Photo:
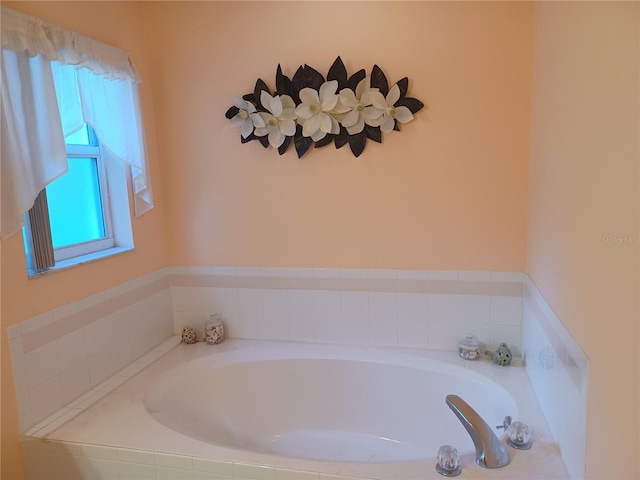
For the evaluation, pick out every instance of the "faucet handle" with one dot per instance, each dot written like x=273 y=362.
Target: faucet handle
x=505 y=423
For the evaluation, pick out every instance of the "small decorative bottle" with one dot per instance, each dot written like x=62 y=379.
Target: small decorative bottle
x=214 y=330
x=469 y=347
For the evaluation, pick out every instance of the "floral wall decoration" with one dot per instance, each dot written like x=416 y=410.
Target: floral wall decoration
x=311 y=110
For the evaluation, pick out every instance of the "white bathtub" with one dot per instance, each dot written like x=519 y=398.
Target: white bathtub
x=334 y=410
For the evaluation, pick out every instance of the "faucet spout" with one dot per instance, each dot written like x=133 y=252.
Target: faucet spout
x=490 y=453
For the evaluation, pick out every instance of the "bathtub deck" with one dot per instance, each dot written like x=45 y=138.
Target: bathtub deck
x=118 y=429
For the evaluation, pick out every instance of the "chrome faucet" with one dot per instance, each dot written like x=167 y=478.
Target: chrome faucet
x=490 y=453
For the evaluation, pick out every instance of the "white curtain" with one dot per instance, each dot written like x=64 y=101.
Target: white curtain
x=33 y=150
x=104 y=95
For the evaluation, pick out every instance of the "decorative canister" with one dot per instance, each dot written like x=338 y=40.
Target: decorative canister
x=214 y=330
x=469 y=347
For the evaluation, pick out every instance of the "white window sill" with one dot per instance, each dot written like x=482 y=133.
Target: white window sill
x=82 y=259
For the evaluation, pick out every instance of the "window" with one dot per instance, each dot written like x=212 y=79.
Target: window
x=73 y=154
x=79 y=207
x=79 y=213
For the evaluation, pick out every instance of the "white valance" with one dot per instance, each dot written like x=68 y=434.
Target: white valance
x=24 y=33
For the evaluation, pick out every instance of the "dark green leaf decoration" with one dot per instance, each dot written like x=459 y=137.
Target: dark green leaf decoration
x=379 y=80
x=283 y=83
x=357 y=142
x=338 y=72
x=245 y=114
x=232 y=112
x=412 y=104
x=403 y=85
x=354 y=79
x=325 y=141
x=342 y=138
x=373 y=133
x=260 y=86
x=301 y=142
x=283 y=148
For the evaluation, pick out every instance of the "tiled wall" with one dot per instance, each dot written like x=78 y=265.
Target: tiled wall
x=395 y=308
x=63 y=354
x=558 y=371
x=70 y=461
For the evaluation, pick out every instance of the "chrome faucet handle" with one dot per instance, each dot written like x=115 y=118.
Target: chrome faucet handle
x=505 y=423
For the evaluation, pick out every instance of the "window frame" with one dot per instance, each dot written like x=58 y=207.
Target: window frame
x=83 y=248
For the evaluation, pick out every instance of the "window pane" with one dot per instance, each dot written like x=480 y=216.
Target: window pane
x=81 y=137
x=75 y=204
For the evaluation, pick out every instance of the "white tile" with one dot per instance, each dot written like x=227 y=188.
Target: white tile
x=168 y=473
x=326 y=304
x=383 y=306
x=412 y=306
x=111 y=383
x=443 y=336
x=131 y=369
x=303 y=328
x=273 y=272
x=135 y=456
x=442 y=308
x=248 y=271
x=223 y=271
x=36 y=322
x=354 y=273
x=121 y=353
x=254 y=472
x=99 y=366
x=96 y=468
x=285 y=474
x=475 y=309
x=181 y=298
x=275 y=301
x=249 y=300
x=42 y=364
x=328 y=329
x=45 y=399
x=248 y=325
x=98 y=333
x=412 y=332
x=200 y=270
x=71 y=349
x=225 y=300
x=131 y=471
x=22 y=396
x=442 y=275
x=354 y=305
x=482 y=331
x=17 y=357
x=173 y=461
x=380 y=273
x=203 y=299
x=383 y=332
x=412 y=274
x=168 y=344
x=517 y=277
x=355 y=331
x=506 y=311
x=300 y=302
x=276 y=327
x=66 y=310
x=213 y=466
x=326 y=273
x=150 y=357
x=74 y=382
x=511 y=335
x=474 y=276
x=37 y=464
x=14 y=331
x=300 y=272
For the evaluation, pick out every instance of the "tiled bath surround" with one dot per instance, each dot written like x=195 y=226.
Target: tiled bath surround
x=558 y=371
x=392 y=308
x=68 y=353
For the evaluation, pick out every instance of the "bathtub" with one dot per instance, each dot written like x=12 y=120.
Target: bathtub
x=319 y=410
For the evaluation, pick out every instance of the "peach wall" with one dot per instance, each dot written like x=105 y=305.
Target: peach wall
x=583 y=187
x=115 y=23
x=448 y=192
